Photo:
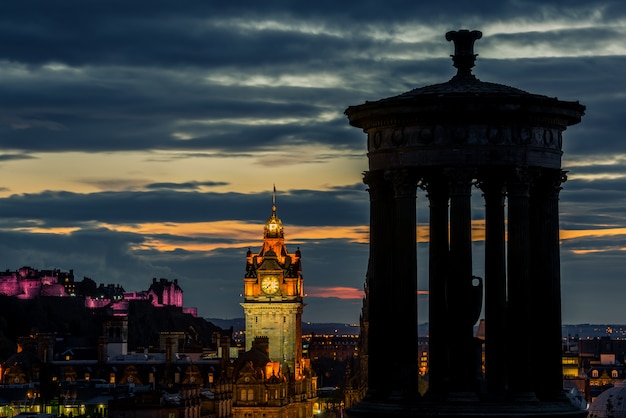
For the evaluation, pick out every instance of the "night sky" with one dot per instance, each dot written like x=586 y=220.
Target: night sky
x=142 y=139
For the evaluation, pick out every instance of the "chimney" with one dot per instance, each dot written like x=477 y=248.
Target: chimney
x=225 y=345
x=262 y=344
x=102 y=351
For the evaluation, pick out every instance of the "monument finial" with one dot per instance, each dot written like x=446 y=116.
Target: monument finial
x=464 y=56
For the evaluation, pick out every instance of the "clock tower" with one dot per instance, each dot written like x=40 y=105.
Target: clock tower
x=273 y=297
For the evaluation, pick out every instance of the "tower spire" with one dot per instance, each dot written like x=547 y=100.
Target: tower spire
x=274 y=199
x=273 y=226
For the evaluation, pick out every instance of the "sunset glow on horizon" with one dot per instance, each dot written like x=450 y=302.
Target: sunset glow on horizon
x=335 y=292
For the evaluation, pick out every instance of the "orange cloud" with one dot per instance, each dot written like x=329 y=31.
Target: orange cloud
x=40 y=230
x=580 y=252
x=244 y=234
x=580 y=233
x=334 y=292
x=342 y=292
x=238 y=234
x=223 y=234
x=478 y=231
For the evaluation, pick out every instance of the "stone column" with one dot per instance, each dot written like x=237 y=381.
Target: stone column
x=495 y=284
x=459 y=286
x=519 y=291
x=382 y=211
x=546 y=280
x=402 y=304
x=438 y=255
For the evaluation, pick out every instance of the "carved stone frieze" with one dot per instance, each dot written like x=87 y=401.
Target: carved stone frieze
x=459 y=135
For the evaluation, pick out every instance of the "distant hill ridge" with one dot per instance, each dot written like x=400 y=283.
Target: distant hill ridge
x=615 y=331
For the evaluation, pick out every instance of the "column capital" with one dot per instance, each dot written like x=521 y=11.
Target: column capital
x=435 y=184
x=371 y=178
x=378 y=185
x=549 y=183
x=519 y=181
x=460 y=180
x=494 y=184
x=404 y=182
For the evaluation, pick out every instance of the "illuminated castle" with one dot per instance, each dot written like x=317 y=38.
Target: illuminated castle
x=28 y=283
x=162 y=292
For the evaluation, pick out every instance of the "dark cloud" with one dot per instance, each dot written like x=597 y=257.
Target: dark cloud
x=14 y=157
x=192 y=185
x=593 y=287
x=139 y=73
x=211 y=79
x=342 y=206
x=102 y=254
x=111 y=257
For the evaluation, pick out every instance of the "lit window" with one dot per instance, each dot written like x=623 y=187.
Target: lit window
x=594 y=373
x=614 y=374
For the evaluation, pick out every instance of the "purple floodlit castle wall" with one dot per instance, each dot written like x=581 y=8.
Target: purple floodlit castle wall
x=29 y=283
x=161 y=293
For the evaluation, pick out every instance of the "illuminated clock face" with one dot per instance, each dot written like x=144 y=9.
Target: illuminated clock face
x=269 y=285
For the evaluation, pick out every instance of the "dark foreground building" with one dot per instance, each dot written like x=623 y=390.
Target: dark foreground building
x=446 y=139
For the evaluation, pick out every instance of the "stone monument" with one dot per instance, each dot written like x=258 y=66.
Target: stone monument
x=449 y=139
